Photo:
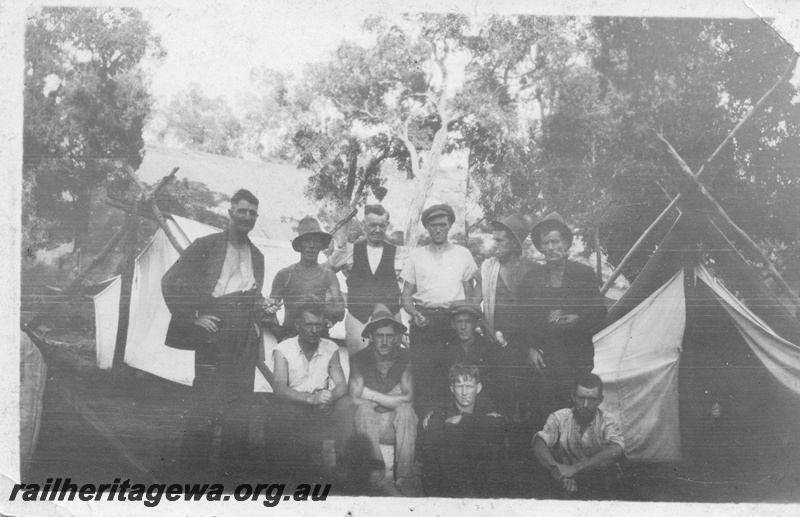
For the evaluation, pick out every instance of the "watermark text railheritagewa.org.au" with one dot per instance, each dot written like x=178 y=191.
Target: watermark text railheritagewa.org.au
x=63 y=489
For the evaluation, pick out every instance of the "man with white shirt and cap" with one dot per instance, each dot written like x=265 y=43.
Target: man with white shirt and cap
x=434 y=277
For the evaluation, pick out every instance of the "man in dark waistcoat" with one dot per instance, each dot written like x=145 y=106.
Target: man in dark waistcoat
x=214 y=294
x=372 y=265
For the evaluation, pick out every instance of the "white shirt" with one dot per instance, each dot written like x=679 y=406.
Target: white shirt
x=237 y=272
x=307 y=376
x=374 y=254
x=562 y=432
x=438 y=273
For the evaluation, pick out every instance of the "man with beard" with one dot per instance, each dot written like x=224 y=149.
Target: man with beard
x=580 y=446
x=372 y=265
x=214 y=294
x=305 y=281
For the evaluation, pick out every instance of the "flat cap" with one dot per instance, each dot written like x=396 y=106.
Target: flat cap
x=436 y=210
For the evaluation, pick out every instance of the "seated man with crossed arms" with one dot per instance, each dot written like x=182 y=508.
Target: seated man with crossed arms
x=381 y=385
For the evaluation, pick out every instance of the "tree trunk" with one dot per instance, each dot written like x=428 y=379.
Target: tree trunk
x=426 y=177
x=599 y=258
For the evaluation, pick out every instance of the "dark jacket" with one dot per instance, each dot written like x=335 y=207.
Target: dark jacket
x=567 y=346
x=188 y=285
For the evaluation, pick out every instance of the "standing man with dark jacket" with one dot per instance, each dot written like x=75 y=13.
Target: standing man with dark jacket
x=214 y=294
x=373 y=265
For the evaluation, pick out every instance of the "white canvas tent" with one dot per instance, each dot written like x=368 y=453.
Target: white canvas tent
x=106 y=316
x=149 y=315
x=747 y=365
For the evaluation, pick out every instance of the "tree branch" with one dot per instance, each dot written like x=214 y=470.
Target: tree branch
x=752 y=110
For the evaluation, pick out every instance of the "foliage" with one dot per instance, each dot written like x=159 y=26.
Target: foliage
x=192 y=199
x=86 y=102
x=202 y=123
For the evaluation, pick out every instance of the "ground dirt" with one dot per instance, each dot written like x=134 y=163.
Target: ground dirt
x=126 y=424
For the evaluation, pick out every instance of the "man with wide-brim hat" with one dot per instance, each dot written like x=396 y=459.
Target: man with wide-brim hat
x=434 y=277
x=567 y=306
x=381 y=384
x=306 y=281
x=505 y=280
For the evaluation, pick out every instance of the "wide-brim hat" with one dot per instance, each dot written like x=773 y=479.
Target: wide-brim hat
x=550 y=222
x=516 y=224
x=465 y=307
x=436 y=210
x=309 y=227
x=381 y=316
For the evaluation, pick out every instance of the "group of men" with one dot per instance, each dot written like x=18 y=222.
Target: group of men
x=447 y=397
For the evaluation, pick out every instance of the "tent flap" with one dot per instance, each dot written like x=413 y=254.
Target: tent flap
x=781 y=358
x=638 y=357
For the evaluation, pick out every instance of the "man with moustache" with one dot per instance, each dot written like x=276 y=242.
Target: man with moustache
x=372 y=265
x=434 y=277
x=214 y=294
x=580 y=446
x=306 y=280
x=567 y=305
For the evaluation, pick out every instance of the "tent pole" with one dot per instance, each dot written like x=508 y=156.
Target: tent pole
x=752 y=110
x=126 y=270
x=637 y=244
x=721 y=212
x=75 y=284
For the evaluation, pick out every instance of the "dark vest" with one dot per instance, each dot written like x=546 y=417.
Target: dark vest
x=365 y=362
x=365 y=289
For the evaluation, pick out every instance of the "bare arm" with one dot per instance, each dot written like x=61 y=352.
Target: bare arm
x=337 y=301
x=607 y=456
x=262 y=366
x=336 y=374
x=403 y=393
x=281 y=384
x=408 y=304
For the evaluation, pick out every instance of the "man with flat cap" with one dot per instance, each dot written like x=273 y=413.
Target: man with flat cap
x=382 y=386
x=505 y=283
x=307 y=280
x=434 y=276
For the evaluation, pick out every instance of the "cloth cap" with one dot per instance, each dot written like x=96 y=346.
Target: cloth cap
x=381 y=316
x=465 y=307
x=309 y=227
x=516 y=224
x=550 y=222
x=435 y=210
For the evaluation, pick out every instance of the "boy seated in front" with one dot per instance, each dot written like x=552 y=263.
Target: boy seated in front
x=464 y=439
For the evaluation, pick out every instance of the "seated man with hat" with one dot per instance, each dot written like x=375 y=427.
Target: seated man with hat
x=382 y=386
x=434 y=276
x=306 y=280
